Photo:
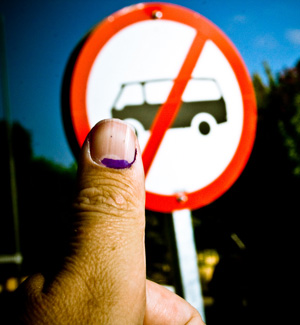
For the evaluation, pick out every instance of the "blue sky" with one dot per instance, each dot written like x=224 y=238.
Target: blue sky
x=40 y=36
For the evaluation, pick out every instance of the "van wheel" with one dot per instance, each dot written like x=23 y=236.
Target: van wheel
x=204 y=128
x=204 y=124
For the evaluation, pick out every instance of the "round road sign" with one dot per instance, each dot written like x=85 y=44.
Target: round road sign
x=182 y=84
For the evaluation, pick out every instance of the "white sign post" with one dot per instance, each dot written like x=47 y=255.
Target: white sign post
x=187 y=257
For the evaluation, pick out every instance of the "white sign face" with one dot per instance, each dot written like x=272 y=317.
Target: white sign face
x=132 y=77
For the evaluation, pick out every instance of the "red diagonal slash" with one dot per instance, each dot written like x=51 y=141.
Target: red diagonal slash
x=169 y=110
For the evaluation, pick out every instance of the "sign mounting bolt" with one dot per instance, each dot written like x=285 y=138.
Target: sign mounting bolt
x=181 y=197
x=156 y=14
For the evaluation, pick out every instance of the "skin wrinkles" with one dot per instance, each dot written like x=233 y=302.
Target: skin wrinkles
x=78 y=296
x=93 y=199
x=97 y=192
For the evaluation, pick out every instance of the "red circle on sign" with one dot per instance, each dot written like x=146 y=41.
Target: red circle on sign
x=207 y=31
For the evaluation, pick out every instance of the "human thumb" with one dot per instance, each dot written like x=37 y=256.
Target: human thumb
x=103 y=278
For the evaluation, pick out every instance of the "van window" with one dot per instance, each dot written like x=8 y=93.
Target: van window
x=157 y=92
x=131 y=94
x=201 y=90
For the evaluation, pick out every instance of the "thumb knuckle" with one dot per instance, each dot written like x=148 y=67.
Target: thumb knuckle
x=108 y=194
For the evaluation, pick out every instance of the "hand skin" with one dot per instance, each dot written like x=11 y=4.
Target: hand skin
x=103 y=280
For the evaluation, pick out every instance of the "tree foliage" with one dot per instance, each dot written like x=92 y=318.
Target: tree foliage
x=279 y=105
x=44 y=192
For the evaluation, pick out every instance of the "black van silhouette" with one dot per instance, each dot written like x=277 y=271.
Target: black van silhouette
x=139 y=101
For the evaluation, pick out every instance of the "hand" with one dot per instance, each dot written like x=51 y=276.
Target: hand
x=102 y=280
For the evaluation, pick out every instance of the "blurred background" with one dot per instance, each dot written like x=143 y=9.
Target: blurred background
x=246 y=240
